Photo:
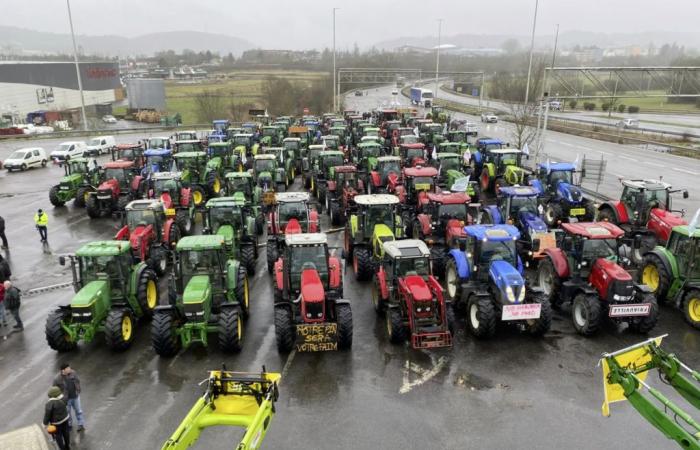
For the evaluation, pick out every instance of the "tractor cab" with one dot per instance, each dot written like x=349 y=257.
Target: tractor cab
x=244 y=183
x=416 y=183
x=150 y=232
x=232 y=219
x=551 y=174
x=449 y=147
x=293 y=146
x=328 y=159
x=100 y=265
x=331 y=141
x=457 y=136
x=223 y=151
x=412 y=154
x=144 y=213
x=271 y=135
x=366 y=155
x=431 y=134
x=166 y=183
x=267 y=174
x=450 y=168
x=291 y=215
x=129 y=152
x=219 y=127
x=185 y=135
x=340 y=131
x=182 y=146
x=305 y=252
x=157 y=160
x=312 y=155
x=386 y=173
x=244 y=140
x=249 y=127
x=502 y=167
x=155 y=143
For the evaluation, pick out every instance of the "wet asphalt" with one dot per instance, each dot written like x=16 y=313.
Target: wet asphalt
x=511 y=392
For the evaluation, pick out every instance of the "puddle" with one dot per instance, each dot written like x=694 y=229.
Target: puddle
x=477 y=383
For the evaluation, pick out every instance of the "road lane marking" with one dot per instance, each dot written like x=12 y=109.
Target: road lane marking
x=678 y=169
x=567 y=144
x=627 y=157
x=651 y=163
x=423 y=374
x=286 y=367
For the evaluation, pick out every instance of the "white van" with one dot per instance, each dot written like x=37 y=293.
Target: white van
x=24 y=158
x=99 y=145
x=68 y=150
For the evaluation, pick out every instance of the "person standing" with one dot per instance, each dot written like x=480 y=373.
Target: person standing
x=41 y=219
x=69 y=383
x=56 y=414
x=5 y=272
x=5 y=245
x=12 y=303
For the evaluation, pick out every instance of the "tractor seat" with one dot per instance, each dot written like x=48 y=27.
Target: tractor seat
x=311 y=286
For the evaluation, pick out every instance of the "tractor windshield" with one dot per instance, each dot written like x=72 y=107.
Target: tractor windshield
x=508 y=159
x=450 y=163
x=292 y=145
x=157 y=143
x=226 y=215
x=156 y=160
x=346 y=178
x=332 y=161
x=492 y=146
x=134 y=218
x=388 y=167
x=520 y=205
x=498 y=250
x=187 y=163
x=414 y=153
x=240 y=185
x=198 y=262
x=290 y=210
x=455 y=211
x=270 y=132
x=240 y=140
x=165 y=185
x=457 y=137
x=565 y=176
x=370 y=151
x=91 y=266
x=117 y=174
x=412 y=266
x=371 y=132
x=377 y=215
x=409 y=139
x=599 y=248
x=77 y=167
x=188 y=147
x=307 y=257
x=264 y=165
x=128 y=154
x=656 y=198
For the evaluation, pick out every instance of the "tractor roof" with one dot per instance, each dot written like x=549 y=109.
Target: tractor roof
x=446 y=155
x=244 y=174
x=487 y=141
x=317 y=147
x=119 y=165
x=518 y=191
x=406 y=248
x=104 y=248
x=332 y=137
x=128 y=146
x=651 y=185
x=338 y=128
x=158 y=152
x=331 y=153
x=368 y=143
x=274 y=149
x=449 y=198
x=416 y=145
x=79 y=160
x=188 y=141
x=494 y=233
x=594 y=230
x=226 y=201
x=376 y=199
x=200 y=242
x=685 y=231
x=345 y=169
x=220 y=121
x=388 y=158
x=557 y=166
x=505 y=151
x=290 y=197
x=165 y=175
x=186 y=132
x=247 y=135
x=306 y=239
x=291 y=139
x=220 y=144
x=264 y=156
x=450 y=144
x=185 y=155
x=420 y=172
x=140 y=205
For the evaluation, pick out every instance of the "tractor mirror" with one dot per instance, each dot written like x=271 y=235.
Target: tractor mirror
x=535 y=245
x=62 y=260
x=685 y=194
x=637 y=241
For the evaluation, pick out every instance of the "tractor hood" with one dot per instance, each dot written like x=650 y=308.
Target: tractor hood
x=610 y=270
x=198 y=290
x=371 y=162
x=71 y=180
x=532 y=223
x=111 y=184
x=293 y=227
x=508 y=281
x=138 y=234
x=418 y=288
x=312 y=286
x=514 y=175
x=569 y=192
x=89 y=294
x=226 y=231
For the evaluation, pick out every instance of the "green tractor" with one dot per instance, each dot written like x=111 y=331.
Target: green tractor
x=293 y=145
x=431 y=134
x=231 y=218
x=244 y=183
x=327 y=160
x=111 y=294
x=271 y=135
x=309 y=163
x=221 y=158
x=283 y=161
x=78 y=182
x=502 y=167
x=197 y=171
x=365 y=158
x=374 y=222
x=244 y=149
x=268 y=175
x=673 y=271
x=208 y=293
x=450 y=147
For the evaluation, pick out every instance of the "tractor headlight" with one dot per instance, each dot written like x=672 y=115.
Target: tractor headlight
x=521 y=296
x=419 y=309
x=509 y=294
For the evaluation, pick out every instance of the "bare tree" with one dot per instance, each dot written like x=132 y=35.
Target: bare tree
x=209 y=105
x=524 y=121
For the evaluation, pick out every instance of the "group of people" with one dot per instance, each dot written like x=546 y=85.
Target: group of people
x=64 y=400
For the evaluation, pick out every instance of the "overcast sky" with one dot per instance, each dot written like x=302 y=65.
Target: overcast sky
x=307 y=24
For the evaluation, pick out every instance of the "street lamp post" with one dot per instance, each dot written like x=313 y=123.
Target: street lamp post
x=77 y=69
x=532 y=47
x=335 y=94
x=437 y=60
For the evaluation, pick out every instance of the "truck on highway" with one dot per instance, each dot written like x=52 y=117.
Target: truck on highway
x=423 y=97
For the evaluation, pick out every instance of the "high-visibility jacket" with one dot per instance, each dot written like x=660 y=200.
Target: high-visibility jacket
x=41 y=220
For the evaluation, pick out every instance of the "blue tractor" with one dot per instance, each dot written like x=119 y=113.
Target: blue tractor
x=485 y=277
x=483 y=145
x=519 y=206
x=157 y=160
x=218 y=132
x=562 y=199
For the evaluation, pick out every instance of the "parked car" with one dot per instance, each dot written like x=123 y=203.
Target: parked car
x=395 y=92
x=109 y=119
x=628 y=123
x=99 y=145
x=25 y=158
x=68 y=150
x=489 y=118
x=555 y=105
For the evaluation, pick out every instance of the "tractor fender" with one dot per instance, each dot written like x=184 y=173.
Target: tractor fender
x=425 y=225
x=185 y=196
x=435 y=288
x=334 y=272
x=136 y=272
x=136 y=182
x=122 y=234
x=313 y=220
x=667 y=259
x=330 y=186
x=558 y=258
x=341 y=301
x=279 y=275
x=495 y=213
x=166 y=231
x=618 y=210
x=463 y=269
x=537 y=184
x=383 y=287
x=166 y=200
x=375 y=178
x=231 y=275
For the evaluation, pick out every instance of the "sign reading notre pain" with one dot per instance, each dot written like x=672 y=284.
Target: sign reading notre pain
x=320 y=337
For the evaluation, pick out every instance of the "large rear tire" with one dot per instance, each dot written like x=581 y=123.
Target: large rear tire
x=691 y=308
x=53 y=196
x=284 y=329
x=242 y=291
x=362 y=263
x=147 y=292
x=184 y=221
x=647 y=323
x=56 y=336
x=81 y=196
x=343 y=314
x=93 y=207
x=394 y=326
x=481 y=317
x=553 y=214
x=548 y=280
x=655 y=276
x=538 y=327
x=606 y=214
x=164 y=336
x=199 y=195
x=452 y=281
x=586 y=313
x=119 y=329
x=437 y=256
x=213 y=184
x=272 y=255
x=230 y=330
x=248 y=257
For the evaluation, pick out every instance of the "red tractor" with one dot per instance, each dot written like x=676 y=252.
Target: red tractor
x=310 y=312
x=167 y=187
x=130 y=152
x=291 y=214
x=413 y=154
x=122 y=184
x=644 y=209
x=151 y=234
x=341 y=190
x=412 y=191
x=440 y=224
x=386 y=171
x=411 y=297
x=583 y=270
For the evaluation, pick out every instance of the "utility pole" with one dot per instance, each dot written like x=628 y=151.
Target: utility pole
x=532 y=48
x=77 y=69
x=335 y=94
x=437 y=62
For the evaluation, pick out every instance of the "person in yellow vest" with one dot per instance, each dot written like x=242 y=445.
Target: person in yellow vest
x=41 y=219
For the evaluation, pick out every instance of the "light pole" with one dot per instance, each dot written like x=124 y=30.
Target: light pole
x=77 y=69
x=335 y=94
x=437 y=60
x=532 y=47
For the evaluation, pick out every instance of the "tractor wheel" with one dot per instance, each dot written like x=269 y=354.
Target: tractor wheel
x=248 y=257
x=173 y=237
x=53 y=196
x=452 y=281
x=655 y=276
x=147 y=292
x=93 y=207
x=586 y=313
x=395 y=327
x=184 y=222
x=230 y=330
x=158 y=260
x=348 y=244
x=647 y=323
x=213 y=184
x=56 y=336
x=284 y=329
x=548 y=280
x=481 y=317
x=691 y=308
x=243 y=291
x=538 y=327
x=81 y=196
x=336 y=215
x=259 y=224
x=451 y=319
x=377 y=300
x=437 y=256
x=272 y=255
x=416 y=231
x=119 y=329
x=606 y=214
x=199 y=196
x=122 y=201
x=321 y=196
x=362 y=263
x=553 y=213
x=306 y=181
x=343 y=314
x=164 y=336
